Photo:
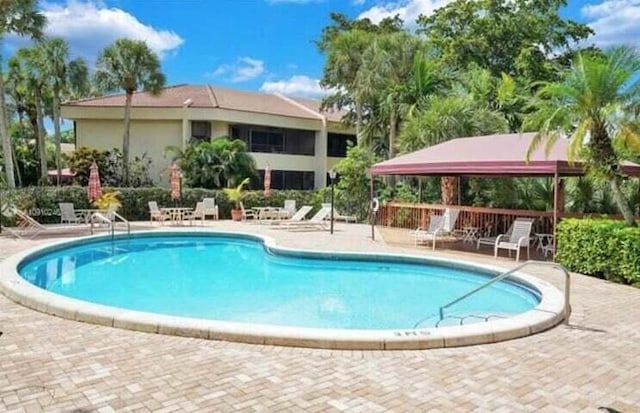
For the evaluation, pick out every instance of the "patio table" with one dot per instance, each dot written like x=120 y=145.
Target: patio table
x=470 y=234
x=546 y=243
x=176 y=214
x=263 y=213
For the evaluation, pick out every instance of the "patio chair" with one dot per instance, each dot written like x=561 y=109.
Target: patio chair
x=155 y=214
x=492 y=240
x=315 y=222
x=439 y=225
x=248 y=213
x=27 y=227
x=298 y=216
x=210 y=208
x=197 y=213
x=520 y=237
x=68 y=214
x=289 y=208
x=337 y=216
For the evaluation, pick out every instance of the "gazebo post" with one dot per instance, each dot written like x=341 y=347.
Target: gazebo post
x=556 y=198
x=371 y=213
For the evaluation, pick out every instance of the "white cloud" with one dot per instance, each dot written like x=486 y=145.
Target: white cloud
x=246 y=68
x=298 y=85
x=614 y=22
x=89 y=26
x=408 y=10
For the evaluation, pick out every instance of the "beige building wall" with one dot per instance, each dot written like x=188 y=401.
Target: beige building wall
x=147 y=136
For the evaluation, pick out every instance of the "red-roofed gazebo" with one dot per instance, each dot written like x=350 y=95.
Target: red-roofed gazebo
x=501 y=155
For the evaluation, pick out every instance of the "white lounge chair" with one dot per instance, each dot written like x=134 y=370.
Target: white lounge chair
x=27 y=227
x=492 y=240
x=337 y=216
x=316 y=222
x=247 y=213
x=520 y=237
x=68 y=214
x=289 y=208
x=298 y=216
x=155 y=214
x=210 y=208
x=196 y=214
x=439 y=225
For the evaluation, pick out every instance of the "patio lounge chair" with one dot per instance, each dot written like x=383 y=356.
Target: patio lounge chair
x=520 y=237
x=155 y=214
x=289 y=208
x=27 y=227
x=492 y=240
x=298 y=216
x=197 y=213
x=438 y=226
x=247 y=213
x=337 y=216
x=210 y=208
x=316 y=222
x=68 y=214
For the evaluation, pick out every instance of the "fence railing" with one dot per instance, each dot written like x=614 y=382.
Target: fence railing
x=490 y=221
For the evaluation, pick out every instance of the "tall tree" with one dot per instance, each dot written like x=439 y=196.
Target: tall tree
x=516 y=37
x=128 y=65
x=596 y=105
x=446 y=118
x=18 y=17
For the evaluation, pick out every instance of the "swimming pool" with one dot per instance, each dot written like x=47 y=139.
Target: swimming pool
x=245 y=282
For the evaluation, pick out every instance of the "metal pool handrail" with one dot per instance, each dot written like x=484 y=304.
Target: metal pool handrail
x=110 y=222
x=567 y=286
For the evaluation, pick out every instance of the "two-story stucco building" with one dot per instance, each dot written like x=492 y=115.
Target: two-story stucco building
x=291 y=136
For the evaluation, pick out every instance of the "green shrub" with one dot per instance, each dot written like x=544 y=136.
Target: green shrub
x=601 y=248
x=42 y=202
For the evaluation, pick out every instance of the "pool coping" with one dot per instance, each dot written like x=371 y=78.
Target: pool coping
x=547 y=314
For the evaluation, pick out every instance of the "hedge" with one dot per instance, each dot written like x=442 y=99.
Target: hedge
x=601 y=248
x=42 y=202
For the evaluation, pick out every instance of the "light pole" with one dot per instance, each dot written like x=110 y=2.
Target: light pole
x=332 y=176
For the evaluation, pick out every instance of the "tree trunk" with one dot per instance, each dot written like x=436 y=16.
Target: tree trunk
x=449 y=188
x=4 y=135
x=622 y=203
x=393 y=130
x=40 y=138
x=56 y=128
x=358 y=108
x=17 y=166
x=125 y=138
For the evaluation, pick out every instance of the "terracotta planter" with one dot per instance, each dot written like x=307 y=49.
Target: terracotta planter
x=236 y=214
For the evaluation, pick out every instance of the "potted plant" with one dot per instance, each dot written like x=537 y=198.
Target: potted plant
x=236 y=195
x=108 y=202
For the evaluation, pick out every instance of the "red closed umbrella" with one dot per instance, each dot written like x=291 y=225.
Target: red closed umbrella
x=94 y=190
x=175 y=182
x=267 y=182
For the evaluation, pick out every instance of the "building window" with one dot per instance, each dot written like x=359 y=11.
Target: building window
x=267 y=141
x=338 y=143
x=200 y=131
x=304 y=180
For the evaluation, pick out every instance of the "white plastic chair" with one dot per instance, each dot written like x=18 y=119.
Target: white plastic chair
x=155 y=214
x=68 y=214
x=520 y=237
x=315 y=222
x=210 y=208
x=438 y=225
x=298 y=216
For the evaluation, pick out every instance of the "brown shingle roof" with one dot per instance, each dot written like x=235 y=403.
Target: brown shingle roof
x=331 y=115
x=205 y=96
x=173 y=96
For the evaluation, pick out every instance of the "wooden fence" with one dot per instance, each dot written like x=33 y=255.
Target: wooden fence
x=490 y=221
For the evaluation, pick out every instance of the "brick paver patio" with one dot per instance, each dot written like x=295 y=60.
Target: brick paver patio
x=51 y=364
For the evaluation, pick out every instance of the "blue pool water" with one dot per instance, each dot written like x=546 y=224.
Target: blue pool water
x=236 y=279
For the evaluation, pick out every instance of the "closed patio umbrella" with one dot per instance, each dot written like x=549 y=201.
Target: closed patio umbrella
x=267 y=182
x=175 y=182
x=94 y=190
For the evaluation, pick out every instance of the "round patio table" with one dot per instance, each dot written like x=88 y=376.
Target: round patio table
x=176 y=214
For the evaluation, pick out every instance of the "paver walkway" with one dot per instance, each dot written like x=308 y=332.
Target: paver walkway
x=51 y=364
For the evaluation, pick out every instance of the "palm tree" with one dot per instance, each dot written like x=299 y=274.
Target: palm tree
x=26 y=67
x=344 y=59
x=595 y=104
x=128 y=65
x=448 y=118
x=19 y=17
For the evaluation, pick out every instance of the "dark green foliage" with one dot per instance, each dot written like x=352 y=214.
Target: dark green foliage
x=110 y=167
x=601 y=248
x=42 y=203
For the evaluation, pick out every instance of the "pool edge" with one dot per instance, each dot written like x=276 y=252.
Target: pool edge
x=547 y=314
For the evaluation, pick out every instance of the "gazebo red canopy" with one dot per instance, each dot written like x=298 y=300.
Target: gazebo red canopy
x=493 y=155
x=502 y=155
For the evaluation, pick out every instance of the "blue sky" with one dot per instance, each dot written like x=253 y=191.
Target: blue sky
x=261 y=44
